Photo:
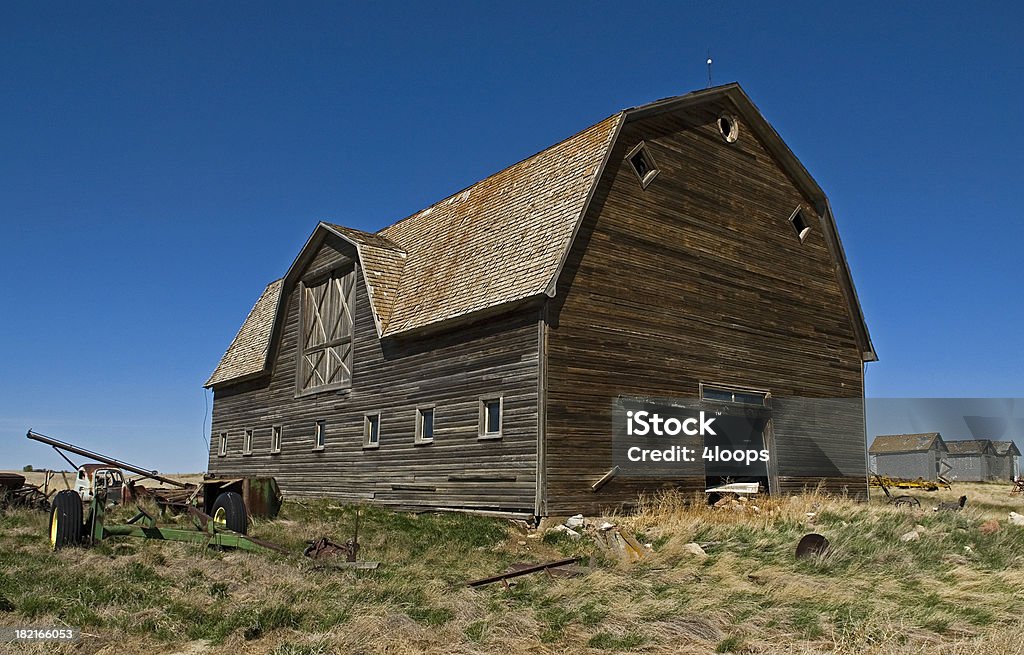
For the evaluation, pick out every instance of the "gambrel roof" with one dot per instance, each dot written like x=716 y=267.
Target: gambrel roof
x=905 y=443
x=505 y=239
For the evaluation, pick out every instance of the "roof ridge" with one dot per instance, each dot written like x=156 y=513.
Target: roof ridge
x=389 y=242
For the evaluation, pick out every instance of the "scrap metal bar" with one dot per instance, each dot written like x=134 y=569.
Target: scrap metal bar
x=153 y=475
x=74 y=467
x=526 y=571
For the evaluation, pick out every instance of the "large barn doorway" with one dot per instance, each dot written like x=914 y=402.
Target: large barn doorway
x=743 y=425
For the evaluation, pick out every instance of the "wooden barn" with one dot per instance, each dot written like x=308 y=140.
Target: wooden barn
x=1005 y=462
x=971 y=460
x=468 y=356
x=909 y=456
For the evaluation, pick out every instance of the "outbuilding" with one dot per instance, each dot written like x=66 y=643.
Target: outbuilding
x=909 y=456
x=971 y=460
x=1005 y=462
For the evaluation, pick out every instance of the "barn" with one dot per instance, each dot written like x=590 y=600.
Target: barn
x=971 y=460
x=1005 y=462
x=909 y=456
x=469 y=355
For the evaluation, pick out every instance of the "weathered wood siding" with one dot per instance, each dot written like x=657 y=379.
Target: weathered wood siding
x=697 y=278
x=1004 y=467
x=449 y=370
x=907 y=465
x=969 y=468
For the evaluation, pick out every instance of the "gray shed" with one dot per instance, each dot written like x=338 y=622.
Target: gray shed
x=971 y=460
x=909 y=456
x=1004 y=464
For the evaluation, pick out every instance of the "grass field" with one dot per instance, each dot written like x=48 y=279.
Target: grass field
x=956 y=590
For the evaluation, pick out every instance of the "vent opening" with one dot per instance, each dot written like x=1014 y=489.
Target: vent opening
x=729 y=127
x=643 y=164
x=800 y=224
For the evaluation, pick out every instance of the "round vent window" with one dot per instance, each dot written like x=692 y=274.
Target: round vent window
x=729 y=127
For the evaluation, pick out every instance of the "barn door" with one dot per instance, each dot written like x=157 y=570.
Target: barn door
x=744 y=423
x=327 y=326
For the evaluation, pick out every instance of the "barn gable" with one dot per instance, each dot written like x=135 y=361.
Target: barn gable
x=381 y=262
x=506 y=239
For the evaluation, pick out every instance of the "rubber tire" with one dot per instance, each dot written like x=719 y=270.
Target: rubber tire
x=235 y=516
x=67 y=511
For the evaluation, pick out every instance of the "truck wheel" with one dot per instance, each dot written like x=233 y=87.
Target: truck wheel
x=229 y=512
x=66 y=520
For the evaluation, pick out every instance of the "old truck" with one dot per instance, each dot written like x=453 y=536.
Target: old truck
x=95 y=476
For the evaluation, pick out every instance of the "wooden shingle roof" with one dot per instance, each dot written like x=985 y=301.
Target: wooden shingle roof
x=505 y=238
x=1005 y=448
x=969 y=447
x=904 y=443
x=500 y=240
x=247 y=353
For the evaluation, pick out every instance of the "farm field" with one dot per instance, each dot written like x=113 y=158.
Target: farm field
x=956 y=588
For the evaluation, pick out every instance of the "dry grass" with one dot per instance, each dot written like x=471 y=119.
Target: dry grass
x=955 y=591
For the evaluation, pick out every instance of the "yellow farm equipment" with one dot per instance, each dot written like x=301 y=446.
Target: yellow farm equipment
x=905 y=483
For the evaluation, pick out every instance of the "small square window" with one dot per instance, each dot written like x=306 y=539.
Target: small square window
x=247 y=443
x=425 y=425
x=371 y=431
x=643 y=164
x=222 y=446
x=275 y=439
x=800 y=224
x=319 y=435
x=490 y=418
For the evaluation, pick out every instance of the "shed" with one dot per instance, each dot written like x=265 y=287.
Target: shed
x=1005 y=462
x=971 y=460
x=909 y=456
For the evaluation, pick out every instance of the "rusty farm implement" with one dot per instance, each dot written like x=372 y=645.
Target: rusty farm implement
x=219 y=509
x=225 y=529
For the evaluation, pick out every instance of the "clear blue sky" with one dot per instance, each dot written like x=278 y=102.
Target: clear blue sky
x=160 y=162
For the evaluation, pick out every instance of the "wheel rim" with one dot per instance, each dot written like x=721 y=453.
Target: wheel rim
x=53 y=529
x=220 y=518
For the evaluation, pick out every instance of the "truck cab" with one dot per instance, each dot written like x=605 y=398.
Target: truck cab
x=95 y=476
